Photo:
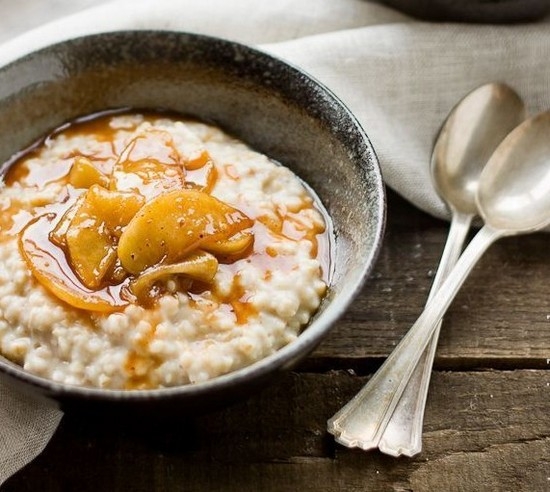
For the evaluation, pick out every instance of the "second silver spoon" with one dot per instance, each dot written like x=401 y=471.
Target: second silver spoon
x=470 y=134
x=364 y=420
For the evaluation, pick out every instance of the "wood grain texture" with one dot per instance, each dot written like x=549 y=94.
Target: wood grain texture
x=500 y=318
x=486 y=425
x=483 y=431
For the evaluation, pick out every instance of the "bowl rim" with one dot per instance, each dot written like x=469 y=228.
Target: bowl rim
x=310 y=335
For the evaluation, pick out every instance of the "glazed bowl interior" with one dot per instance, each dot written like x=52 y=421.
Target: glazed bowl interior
x=274 y=107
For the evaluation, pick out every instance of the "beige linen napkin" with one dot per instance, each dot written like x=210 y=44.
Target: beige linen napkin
x=400 y=77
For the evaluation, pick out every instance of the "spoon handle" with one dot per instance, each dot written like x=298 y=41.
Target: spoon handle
x=362 y=421
x=403 y=433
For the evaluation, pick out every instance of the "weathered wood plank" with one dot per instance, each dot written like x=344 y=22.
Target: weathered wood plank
x=483 y=431
x=501 y=314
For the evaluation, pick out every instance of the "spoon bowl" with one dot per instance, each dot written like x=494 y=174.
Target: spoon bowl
x=470 y=134
x=514 y=197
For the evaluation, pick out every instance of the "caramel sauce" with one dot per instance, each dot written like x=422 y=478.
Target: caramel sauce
x=140 y=362
x=16 y=174
x=291 y=225
x=7 y=221
x=35 y=225
x=239 y=301
x=96 y=124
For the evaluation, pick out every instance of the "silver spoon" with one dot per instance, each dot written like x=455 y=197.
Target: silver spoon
x=513 y=197
x=470 y=134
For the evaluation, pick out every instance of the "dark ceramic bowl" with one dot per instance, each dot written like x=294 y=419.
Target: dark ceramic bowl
x=480 y=11
x=274 y=107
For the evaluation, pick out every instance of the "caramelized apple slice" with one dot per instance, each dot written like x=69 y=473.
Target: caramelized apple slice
x=197 y=160
x=150 y=165
x=58 y=234
x=116 y=208
x=172 y=225
x=157 y=145
x=233 y=246
x=92 y=253
x=148 y=178
x=199 y=266
x=48 y=265
x=84 y=174
x=203 y=178
x=91 y=235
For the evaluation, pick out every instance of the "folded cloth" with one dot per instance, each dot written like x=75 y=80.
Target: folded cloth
x=26 y=426
x=400 y=78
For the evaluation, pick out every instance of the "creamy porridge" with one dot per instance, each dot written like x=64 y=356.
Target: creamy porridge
x=143 y=251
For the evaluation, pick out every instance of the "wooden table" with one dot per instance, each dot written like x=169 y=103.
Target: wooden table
x=487 y=424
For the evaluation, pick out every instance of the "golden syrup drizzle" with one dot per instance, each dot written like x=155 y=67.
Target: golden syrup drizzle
x=140 y=362
x=239 y=300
